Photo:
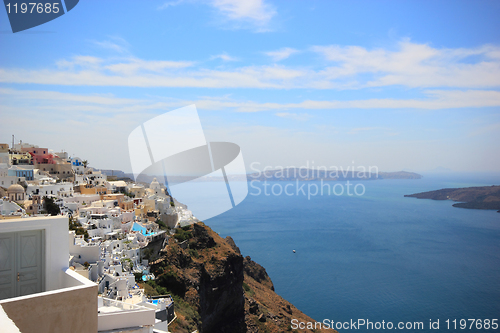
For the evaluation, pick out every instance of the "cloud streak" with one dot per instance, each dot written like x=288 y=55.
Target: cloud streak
x=294 y=116
x=413 y=65
x=347 y=68
x=281 y=54
x=434 y=100
x=257 y=13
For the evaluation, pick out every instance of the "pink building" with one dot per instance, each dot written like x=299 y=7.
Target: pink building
x=40 y=155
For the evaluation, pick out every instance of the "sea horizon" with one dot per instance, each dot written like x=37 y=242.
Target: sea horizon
x=379 y=256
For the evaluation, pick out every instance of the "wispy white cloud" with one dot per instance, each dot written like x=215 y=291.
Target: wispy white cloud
x=137 y=65
x=110 y=45
x=79 y=61
x=412 y=65
x=236 y=14
x=170 y=4
x=348 y=67
x=114 y=43
x=256 y=12
x=68 y=102
x=294 y=116
x=433 y=100
x=281 y=54
x=141 y=73
x=224 y=57
x=106 y=100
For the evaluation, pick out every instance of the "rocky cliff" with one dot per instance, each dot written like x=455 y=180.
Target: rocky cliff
x=216 y=289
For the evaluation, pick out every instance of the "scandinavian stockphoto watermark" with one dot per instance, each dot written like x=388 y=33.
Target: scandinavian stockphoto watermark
x=367 y=324
x=26 y=14
x=310 y=180
x=173 y=146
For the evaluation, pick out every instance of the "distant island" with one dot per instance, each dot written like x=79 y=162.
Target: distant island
x=304 y=174
x=285 y=174
x=483 y=197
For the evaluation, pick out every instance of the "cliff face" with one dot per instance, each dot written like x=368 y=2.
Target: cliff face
x=216 y=289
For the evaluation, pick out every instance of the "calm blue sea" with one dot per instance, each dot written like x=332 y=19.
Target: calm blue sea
x=379 y=256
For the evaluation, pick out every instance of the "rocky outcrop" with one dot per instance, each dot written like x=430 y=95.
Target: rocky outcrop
x=217 y=290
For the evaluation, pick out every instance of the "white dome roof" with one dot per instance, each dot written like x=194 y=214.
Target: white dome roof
x=154 y=184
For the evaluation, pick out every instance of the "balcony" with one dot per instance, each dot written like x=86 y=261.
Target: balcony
x=72 y=308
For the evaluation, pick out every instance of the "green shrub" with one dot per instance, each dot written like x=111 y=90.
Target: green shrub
x=162 y=225
x=182 y=234
x=194 y=253
x=51 y=207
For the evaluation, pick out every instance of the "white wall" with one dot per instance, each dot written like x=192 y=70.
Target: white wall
x=88 y=253
x=56 y=244
x=131 y=316
x=6 y=180
x=59 y=189
x=7 y=207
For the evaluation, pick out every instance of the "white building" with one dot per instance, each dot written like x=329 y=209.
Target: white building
x=81 y=200
x=156 y=187
x=47 y=188
x=96 y=178
x=62 y=155
x=5 y=179
x=38 y=292
x=125 y=317
x=4 y=153
x=81 y=251
x=77 y=165
x=117 y=186
x=10 y=208
x=21 y=145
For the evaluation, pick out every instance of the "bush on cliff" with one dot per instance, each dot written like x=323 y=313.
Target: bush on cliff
x=182 y=234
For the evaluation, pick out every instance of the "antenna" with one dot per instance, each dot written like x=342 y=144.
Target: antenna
x=12 y=141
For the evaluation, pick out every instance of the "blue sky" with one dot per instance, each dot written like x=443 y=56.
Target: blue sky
x=396 y=84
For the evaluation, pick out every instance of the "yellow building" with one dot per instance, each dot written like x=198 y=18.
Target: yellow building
x=19 y=158
x=120 y=198
x=90 y=189
x=138 y=191
x=147 y=205
x=33 y=206
x=62 y=170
